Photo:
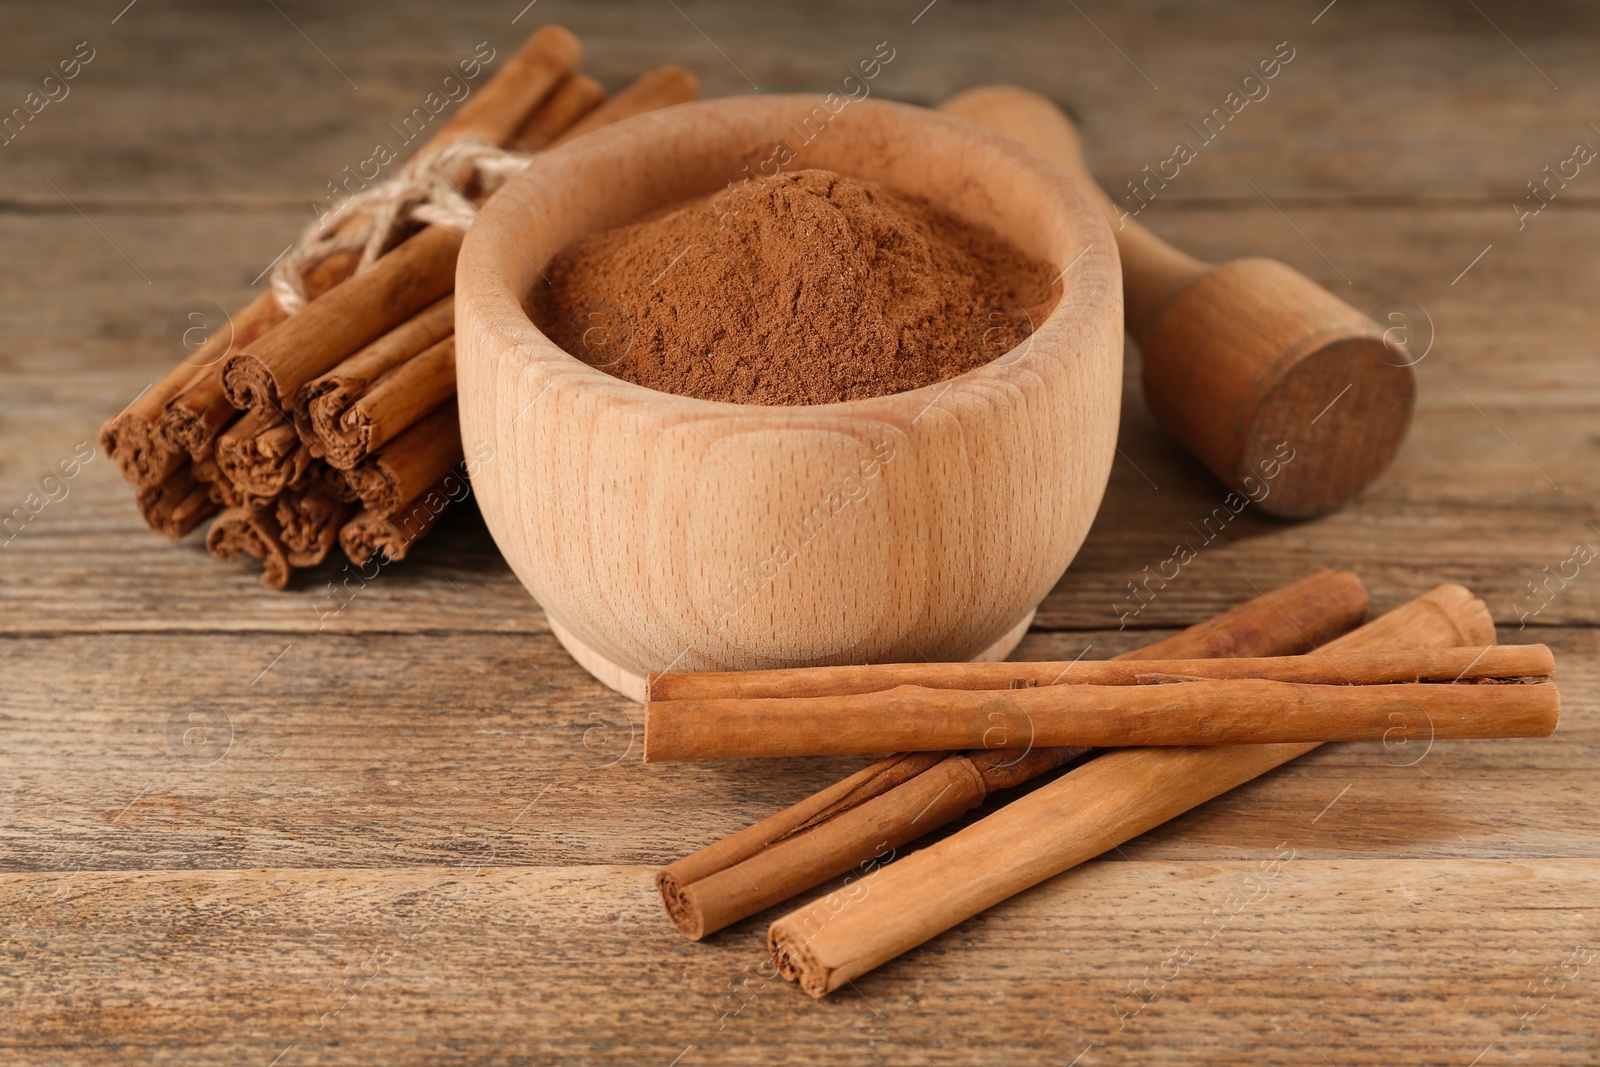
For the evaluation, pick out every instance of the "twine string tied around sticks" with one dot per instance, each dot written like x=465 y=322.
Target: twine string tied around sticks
x=427 y=189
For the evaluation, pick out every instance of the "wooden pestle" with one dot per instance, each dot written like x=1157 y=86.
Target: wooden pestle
x=1245 y=363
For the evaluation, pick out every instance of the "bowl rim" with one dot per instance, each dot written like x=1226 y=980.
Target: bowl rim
x=505 y=315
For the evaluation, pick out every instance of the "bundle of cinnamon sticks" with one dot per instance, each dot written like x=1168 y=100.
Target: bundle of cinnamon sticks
x=1232 y=698
x=338 y=424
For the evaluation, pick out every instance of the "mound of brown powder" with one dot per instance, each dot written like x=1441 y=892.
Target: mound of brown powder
x=806 y=288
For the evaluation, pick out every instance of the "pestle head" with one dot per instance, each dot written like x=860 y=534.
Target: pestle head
x=1247 y=364
x=1285 y=392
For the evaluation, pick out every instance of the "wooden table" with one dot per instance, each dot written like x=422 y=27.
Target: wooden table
x=417 y=833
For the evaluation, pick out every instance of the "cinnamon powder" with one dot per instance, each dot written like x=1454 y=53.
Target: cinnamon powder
x=805 y=288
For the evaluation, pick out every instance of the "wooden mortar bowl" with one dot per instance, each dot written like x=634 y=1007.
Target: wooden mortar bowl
x=662 y=532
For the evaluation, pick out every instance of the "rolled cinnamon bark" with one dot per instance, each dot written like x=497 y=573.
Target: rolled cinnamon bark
x=1092 y=808
x=178 y=504
x=394 y=402
x=268 y=373
x=576 y=96
x=189 y=407
x=882 y=807
x=132 y=437
x=309 y=521
x=253 y=532
x=1346 y=696
x=526 y=79
x=209 y=474
x=650 y=91
x=1224 y=712
x=136 y=439
x=370 y=532
x=1293 y=619
x=261 y=454
x=369 y=398
x=194 y=418
x=409 y=464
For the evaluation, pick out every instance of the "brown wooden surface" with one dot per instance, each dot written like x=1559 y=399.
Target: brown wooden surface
x=421 y=835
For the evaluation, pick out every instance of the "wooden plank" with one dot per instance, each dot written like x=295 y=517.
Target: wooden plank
x=1419 y=525
x=1509 y=394
x=241 y=830
x=335 y=750
x=1517 y=424
x=118 y=278
x=1358 y=111
x=90 y=565
x=1379 y=962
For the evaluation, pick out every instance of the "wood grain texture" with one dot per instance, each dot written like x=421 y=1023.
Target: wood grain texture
x=1508 y=391
x=231 y=757
x=159 y=907
x=485 y=961
x=1439 y=81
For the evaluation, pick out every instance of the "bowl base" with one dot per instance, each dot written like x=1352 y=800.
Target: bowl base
x=632 y=685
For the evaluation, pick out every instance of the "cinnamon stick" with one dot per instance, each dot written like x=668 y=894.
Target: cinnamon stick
x=852 y=823
x=132 y=438
x=192 y=420
x=650 y=91
x=1347 y=696
x=1228 y=712
x=176 y=505
x=1100 y=804
x=267 y=374
x=222 y=489
x=367 y=399
x=416 y=273
x=371 y=532
x=393 y=403
x=1290 y=620
x=409 y=464
x=428 y=327
x=526 y=79
x=261 y=454
x=181 y=414
x=309 y=521
x=189 y=407
x=576 y=96
x=251 y=531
